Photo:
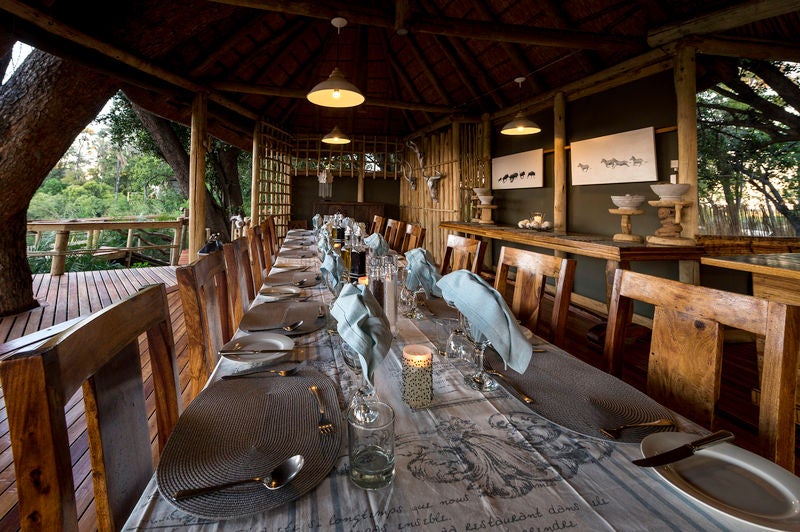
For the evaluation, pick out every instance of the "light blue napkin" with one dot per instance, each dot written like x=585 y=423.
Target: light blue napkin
x=316 y=222
x=348 y=222
x=488 y=313
x=332 y=269
x=363 y=326
x=377 y=244
x=422 y=272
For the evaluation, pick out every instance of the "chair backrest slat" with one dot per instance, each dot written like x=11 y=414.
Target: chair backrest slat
x=101 y=355
x=203 y=286
x=462 y=253
x=531 y=272
x=686 y=350
x=240 y=277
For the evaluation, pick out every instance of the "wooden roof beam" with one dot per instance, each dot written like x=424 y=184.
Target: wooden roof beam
x=246 y=88
x=722 y=20
x=742 y=47
x=55 y=27
x=466 y=29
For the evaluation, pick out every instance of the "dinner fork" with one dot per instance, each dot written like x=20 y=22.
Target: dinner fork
x=325 y=425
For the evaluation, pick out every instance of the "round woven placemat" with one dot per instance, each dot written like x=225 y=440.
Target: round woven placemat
x=298 y=254
x=243 y=428
x=576 y=396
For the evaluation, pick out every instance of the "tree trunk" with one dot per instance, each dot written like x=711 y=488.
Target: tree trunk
x=43 y=107
x=175 y=155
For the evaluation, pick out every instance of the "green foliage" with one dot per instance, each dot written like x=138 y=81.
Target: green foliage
x=749 y=142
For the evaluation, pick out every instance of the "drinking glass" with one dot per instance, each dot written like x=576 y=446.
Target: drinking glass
x=479 y=380
x=458 y=345
x=371 y=445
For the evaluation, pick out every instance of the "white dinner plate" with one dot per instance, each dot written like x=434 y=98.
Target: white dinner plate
x=254 y=342
x=731 y=480
x=277 y=293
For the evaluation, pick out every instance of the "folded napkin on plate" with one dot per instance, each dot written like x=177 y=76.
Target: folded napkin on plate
x=422 y=272
x=332 y=269
x=377 y=244
x=488 y=313
x=362 y=325
x=316 y=221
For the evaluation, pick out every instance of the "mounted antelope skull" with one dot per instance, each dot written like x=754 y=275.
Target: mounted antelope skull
x=431 y=180
x=408 y=174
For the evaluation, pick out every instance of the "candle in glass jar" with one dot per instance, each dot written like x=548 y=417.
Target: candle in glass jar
x=537 y=217
x=417 y=367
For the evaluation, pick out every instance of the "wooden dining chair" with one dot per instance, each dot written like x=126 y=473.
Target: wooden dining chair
x=414 y=237
x=241 y=289
x=378 y=225
x=532 y=270
x=269 y=234
x=203 y=287
x=684 y=368
x=462 y=253
x=394 y=232
x=260 y=262
x=99 y=355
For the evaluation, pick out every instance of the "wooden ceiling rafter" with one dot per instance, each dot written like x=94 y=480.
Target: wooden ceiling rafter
x=411 y=125
x=462 y=28
x=293 y=30
x=402 y=75
x=55 y=27
x=722 y=20
x=520 y=62
x=233 y=38
x=427 y=70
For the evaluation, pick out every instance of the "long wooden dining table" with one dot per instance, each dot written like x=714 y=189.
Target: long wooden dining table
x=470 y=460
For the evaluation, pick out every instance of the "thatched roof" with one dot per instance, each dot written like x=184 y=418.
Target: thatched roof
x=420 y=63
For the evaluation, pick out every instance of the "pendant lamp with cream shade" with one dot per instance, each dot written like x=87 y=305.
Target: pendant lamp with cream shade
x=336 y=137
x=520 y=124
x=336 y=91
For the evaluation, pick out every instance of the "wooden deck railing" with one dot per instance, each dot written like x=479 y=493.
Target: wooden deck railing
x=93 y=228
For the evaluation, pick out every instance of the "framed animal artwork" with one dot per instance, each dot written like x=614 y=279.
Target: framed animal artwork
x=619 y=158
x=519 y=170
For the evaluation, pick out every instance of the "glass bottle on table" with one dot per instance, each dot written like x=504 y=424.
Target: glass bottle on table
x=480 y=380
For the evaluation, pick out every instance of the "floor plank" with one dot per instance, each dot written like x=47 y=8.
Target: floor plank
x=62 y=298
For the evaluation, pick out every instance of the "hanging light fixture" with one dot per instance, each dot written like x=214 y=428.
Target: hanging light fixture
x=520 y=125
x=336 y=137
x=336 y=91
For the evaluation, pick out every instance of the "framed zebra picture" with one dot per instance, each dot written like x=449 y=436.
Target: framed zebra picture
x=619 y=158
x=519 y=170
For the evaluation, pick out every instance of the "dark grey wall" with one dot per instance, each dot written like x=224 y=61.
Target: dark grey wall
x=305 y=192
x=644 y=103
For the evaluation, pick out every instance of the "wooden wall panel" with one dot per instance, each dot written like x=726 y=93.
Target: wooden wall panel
x=455 y=152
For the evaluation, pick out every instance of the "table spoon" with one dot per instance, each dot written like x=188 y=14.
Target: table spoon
x=278 y=478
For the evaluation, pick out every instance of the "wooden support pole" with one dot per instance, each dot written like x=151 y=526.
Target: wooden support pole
x=559 y=162
x=59 y=253
x=360 y=191
x=258 y=164
x=197 y=176
x=685 y=91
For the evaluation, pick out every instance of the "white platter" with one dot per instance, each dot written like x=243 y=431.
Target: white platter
x=277 y=293
x=731 y=480
x=254 y=342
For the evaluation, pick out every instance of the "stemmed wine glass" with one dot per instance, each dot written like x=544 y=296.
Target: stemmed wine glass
x=458 y=345
x=479 y=380
x=410 y=297
x=364 y=396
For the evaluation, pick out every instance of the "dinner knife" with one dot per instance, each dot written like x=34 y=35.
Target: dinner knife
x=684 y=451
x=257 y=351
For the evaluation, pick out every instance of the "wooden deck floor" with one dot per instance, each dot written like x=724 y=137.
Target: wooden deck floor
x=65 y=298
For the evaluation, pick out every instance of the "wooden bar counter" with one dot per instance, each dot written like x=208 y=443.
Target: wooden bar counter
x=617 y=254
